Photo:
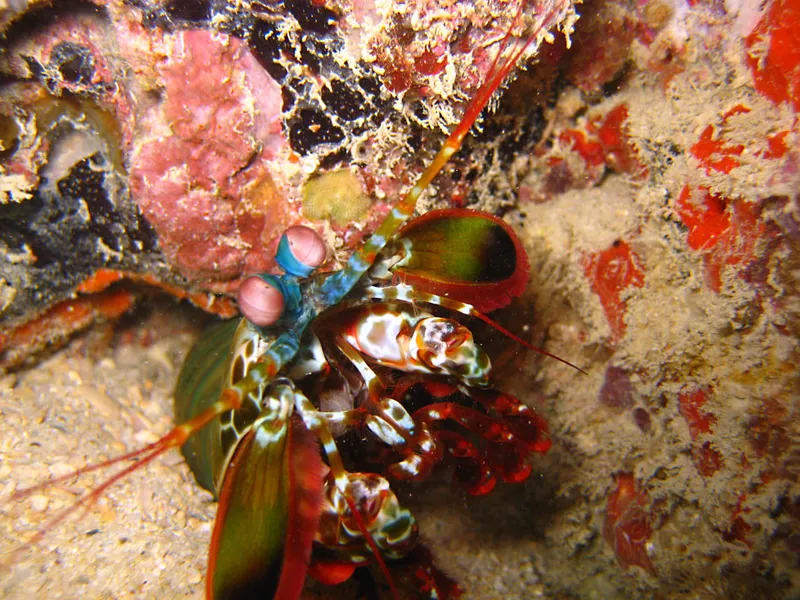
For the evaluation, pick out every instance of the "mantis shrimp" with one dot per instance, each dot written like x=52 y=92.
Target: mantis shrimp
x=250 y=431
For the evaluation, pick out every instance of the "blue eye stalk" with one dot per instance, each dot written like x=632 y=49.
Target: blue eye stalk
x=289 y=287
x=289 y=262
x=266 y=299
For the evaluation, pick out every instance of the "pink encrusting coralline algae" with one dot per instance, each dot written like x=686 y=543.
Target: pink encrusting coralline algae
x=199 y=170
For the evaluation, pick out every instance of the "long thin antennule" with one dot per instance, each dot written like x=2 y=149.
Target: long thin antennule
x=175 y=438
x=338 y=285
x=86 y=501
x=519 y=340
x=23 y=493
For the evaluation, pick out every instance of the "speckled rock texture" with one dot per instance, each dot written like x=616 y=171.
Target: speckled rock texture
x=653 y=170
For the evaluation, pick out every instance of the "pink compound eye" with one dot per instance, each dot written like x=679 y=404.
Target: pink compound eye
x=260 y=303
x=301 y=251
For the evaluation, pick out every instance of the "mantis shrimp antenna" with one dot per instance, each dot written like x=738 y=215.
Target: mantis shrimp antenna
x=338 y=285
x=143 y=456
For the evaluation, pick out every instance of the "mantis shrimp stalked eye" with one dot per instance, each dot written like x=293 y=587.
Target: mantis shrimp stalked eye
x=260 y=302
x=300 y=251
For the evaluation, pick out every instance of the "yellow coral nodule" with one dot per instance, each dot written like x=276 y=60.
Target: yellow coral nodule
x=337 y=196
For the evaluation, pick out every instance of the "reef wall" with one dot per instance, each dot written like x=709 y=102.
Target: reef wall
x=661 y=213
